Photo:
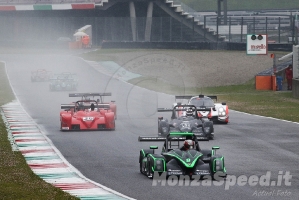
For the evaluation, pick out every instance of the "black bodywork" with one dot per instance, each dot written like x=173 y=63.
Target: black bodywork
x=63 y=82
x=202 y=128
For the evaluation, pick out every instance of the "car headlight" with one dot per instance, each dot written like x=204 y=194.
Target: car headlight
x=221 y=111
x=159 y=165
x=221 y=114
x=218 y=164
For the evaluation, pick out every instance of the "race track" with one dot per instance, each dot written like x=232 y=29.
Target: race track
x=252 y=145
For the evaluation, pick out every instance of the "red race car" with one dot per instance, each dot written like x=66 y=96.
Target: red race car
x=87 y=114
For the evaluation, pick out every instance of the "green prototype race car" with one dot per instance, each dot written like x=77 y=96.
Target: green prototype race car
x=174 y=160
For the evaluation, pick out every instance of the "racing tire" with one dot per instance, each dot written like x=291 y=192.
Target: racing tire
x=114 y=126
x=149 y=174
x=140 y=167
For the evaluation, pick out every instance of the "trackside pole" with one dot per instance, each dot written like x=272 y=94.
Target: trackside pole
x=274 y=70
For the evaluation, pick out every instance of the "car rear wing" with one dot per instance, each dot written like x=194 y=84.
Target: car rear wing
x=70 y=106
x=89 y=94
x=62 y=79
x=151 y=139
x=159 y=139
x=164 y=110
x=178 y=107
x=182 y=108
x=162 y=139
x=190 y=96
x=203 y=109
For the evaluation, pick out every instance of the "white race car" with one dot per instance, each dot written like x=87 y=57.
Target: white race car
x=218 y=112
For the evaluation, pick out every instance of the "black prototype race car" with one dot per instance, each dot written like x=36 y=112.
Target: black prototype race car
x=173 y=160
x=181 y=122
x=63 y=82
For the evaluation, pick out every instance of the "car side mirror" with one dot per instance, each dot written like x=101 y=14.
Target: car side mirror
x=160 y=118
x=214 y=148
x=154 y=147
x=223 y=103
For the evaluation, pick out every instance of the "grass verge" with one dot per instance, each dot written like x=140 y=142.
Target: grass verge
x=17 y=181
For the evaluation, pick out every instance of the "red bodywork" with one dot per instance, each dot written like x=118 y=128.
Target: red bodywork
x=75 y=117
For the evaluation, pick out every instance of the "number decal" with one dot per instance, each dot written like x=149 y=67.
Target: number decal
x=88 y=118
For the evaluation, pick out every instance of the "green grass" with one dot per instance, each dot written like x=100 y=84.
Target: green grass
x=211 y=5
x=17 y=181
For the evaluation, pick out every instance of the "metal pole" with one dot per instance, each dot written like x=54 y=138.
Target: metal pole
x=241 y=29
x=274 y=64
x=96 y=30
x=217 y=28
x=170 y=28
x=225 y=11
x=293 y=28
x=204 y=26
x=161 y=29
x=253 y=25
x=266 y=25
x=182 y=29
x=193 y=27
x=229 y=29
x=219 y=10
x=274 y=83
x=296 y=27
x=279 y=30
x=105 y=29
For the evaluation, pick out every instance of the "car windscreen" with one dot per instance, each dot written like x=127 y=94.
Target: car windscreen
x=201 y=102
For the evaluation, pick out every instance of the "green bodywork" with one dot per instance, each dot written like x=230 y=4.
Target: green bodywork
x=187 y=159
